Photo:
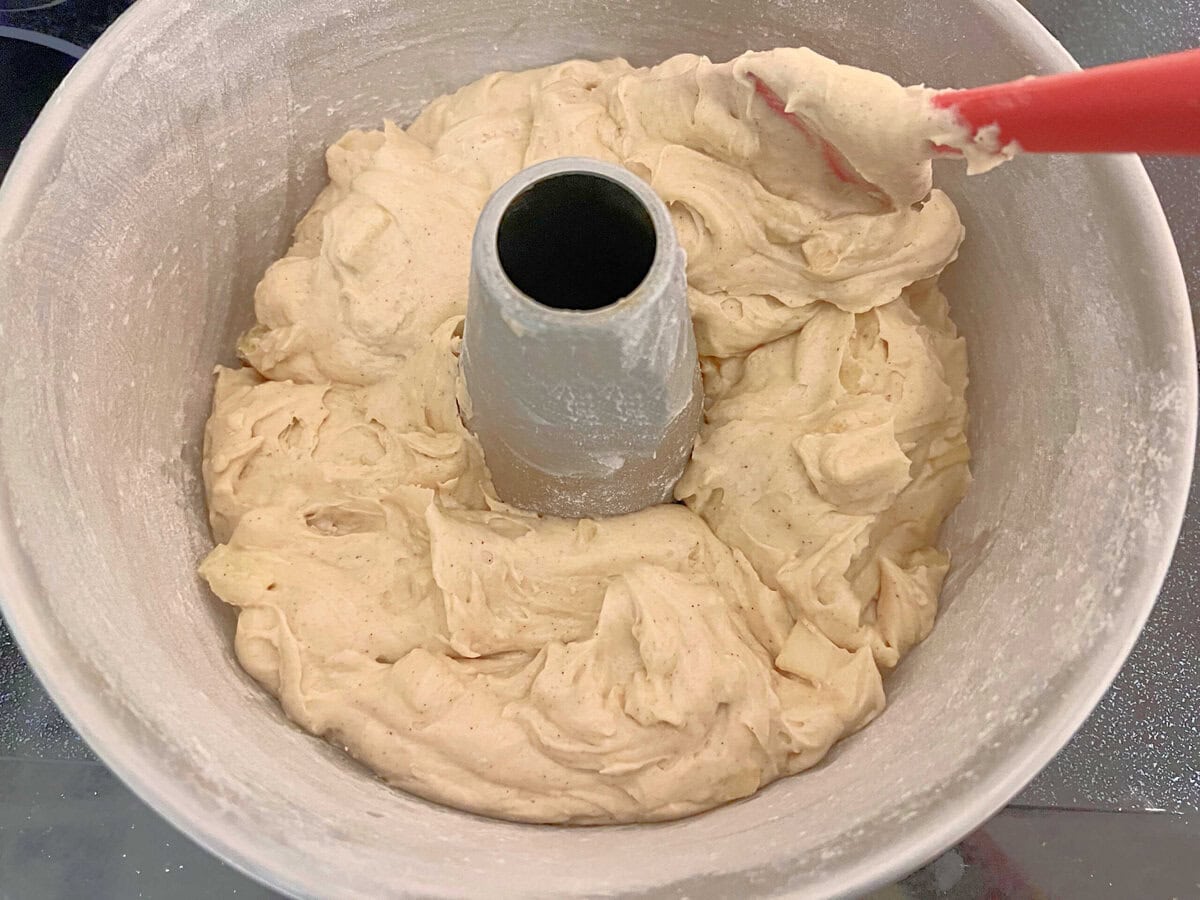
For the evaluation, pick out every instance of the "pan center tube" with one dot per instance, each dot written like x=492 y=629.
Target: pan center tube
x=578 y=353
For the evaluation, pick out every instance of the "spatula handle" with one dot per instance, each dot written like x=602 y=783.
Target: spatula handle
x=1141 y=106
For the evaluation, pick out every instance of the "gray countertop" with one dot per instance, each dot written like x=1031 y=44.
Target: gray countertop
x=1117 y=813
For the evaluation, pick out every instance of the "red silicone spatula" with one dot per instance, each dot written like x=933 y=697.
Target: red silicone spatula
x=1142 y=106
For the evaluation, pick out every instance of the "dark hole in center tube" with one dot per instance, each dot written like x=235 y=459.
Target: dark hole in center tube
x=576 y=241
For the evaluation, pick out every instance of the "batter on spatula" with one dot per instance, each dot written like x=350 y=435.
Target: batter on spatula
x=635 y=668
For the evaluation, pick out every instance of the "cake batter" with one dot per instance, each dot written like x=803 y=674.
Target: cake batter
x=647 y=666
